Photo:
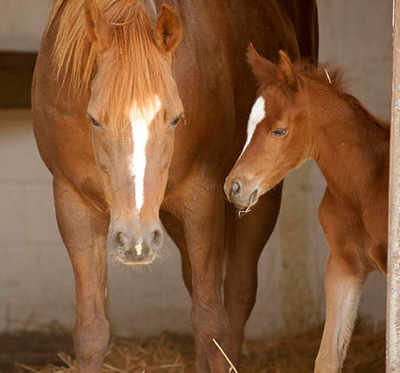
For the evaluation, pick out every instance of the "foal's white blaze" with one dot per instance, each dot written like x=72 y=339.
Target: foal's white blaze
x=141 y=118
x=256 y=116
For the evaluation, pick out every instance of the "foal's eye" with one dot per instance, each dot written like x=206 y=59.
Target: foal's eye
x=279 y=132
x=94 y=122
x=176 y=121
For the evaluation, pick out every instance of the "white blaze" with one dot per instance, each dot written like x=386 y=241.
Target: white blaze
x=256 y=116
x=139 y=249
x=141 y=118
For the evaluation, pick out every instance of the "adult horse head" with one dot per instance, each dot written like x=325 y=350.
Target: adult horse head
x=134 y=108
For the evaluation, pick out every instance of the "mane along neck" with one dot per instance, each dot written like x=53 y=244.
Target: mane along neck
x=350 y=146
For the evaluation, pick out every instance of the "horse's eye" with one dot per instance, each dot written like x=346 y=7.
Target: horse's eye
x=94 y=122
x=279 y=132
x=176 y=121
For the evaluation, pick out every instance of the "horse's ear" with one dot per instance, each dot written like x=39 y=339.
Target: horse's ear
x=98 y=27
x=264 y=70
x=286 y=72
x=168 y=29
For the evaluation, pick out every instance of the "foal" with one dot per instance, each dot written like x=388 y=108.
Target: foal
x=301 y=113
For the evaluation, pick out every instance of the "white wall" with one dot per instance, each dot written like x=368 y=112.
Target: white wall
x=357 y=36
x=21 y=23
x=36 y=283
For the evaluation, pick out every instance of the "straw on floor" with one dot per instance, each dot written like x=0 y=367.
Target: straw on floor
x=171 y=353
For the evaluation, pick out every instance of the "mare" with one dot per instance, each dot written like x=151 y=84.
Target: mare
x=305 y=113
x=113 y=87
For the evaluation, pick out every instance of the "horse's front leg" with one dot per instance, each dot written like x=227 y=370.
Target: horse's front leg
x=204 y=222
x=246 y=238
x=84 y=235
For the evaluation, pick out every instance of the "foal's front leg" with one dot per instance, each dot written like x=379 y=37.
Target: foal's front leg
x=343 y=281
x=85 y=238
x=204 y=231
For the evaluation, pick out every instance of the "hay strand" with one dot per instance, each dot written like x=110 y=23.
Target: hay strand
x=232 y=367
x=328 y=76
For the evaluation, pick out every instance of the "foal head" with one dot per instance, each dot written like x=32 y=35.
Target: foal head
x=134 y=109
x=278 y=134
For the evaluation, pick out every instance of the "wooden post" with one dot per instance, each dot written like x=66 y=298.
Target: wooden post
x=393 y=278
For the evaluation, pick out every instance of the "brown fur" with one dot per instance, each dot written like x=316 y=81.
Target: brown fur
x=351 y=147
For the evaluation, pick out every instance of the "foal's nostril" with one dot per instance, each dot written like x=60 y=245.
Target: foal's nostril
x=236 y=188
x=253 y=196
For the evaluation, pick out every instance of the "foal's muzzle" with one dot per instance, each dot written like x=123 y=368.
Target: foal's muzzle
x=136 y=248
x=242 y=195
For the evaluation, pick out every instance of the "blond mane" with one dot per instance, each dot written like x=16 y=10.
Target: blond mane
x=137 y=69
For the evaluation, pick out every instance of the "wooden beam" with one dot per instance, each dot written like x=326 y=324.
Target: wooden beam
x=393 y=278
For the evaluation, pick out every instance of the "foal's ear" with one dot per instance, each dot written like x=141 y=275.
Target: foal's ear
x=168 y=29
x=286 y=72
x=265 y=71
x=99 y=30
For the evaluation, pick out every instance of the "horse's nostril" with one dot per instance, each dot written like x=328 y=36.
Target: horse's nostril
x=236 y=188
x=118 y=239
x=154 y=239
x=157 y=239
x=122 y=241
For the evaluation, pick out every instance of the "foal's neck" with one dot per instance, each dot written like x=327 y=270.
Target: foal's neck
x=351 y=149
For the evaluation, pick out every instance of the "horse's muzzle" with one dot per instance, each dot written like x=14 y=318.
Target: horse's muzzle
x=132 y=248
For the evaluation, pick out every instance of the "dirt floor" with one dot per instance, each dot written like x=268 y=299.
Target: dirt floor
x=170 y=353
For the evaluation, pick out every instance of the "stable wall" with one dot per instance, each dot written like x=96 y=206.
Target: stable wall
x=22 y=23
x=36 y=283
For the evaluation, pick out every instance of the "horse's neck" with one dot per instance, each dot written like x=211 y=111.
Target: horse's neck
x=352 y=152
